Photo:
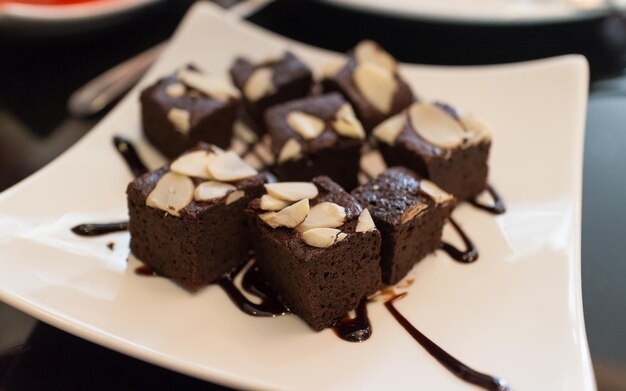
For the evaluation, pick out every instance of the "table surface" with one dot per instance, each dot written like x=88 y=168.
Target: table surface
x=42 y=71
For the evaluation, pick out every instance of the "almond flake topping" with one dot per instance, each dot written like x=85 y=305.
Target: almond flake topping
x=377 y=84
x=211 y=85
x=365 y=222
x=290 y=216
x=346 y=124
x=228 y=167
x=211 y=190
x=436 y=126
x=259 y=84
x=306 y=125
x=235 y=196
x=368 y=51
x=323 y=215
x=181 y=119
x=292 y=150
x=435 y=192
x=192 y=164
x=292 y=191
x=175 y=90
x=271 y=203
x=172 y=193
x=388 y=130
x=323 y=237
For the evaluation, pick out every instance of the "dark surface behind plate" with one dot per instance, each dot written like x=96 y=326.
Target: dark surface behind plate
x=37 y=77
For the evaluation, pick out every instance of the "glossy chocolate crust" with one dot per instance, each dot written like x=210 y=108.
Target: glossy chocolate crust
x=329 y=154
x=207 y=240
x=292 y=79
x=211 y=120
x=320 y=285
x=462 y=171
x=388 y=197
x=369 y=115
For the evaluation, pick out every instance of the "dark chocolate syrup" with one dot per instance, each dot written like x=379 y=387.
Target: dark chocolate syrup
x=471 y=252
x=497 y=207
x=94 y=229
x=452 y=364
x=128 y=152
x=357 y=329
x=145 y=270
x=254 y=283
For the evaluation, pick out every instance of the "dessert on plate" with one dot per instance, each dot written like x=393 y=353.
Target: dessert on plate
x=187 y=219
x=317 y=247
x=449 y=147
x=316 y=136
x=188 y=107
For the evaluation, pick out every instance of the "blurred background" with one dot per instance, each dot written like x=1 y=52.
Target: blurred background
x=49 y=50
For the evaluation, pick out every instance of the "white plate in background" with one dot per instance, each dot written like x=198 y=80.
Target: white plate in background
x=515 y=313
x=489 y=11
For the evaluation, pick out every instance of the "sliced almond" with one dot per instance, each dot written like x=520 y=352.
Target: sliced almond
x=323 y=237
x=377 y=84
x=388 y=130
x=346 y=124
x=211 y=190
x=181 y=119
x=475 y=130
x=192 y=164
x=365 y=222
x=229 y=167
x=291 y=191
x=436 y=125
x=271 y=203
x=235 y=196
x=211 y=85
x=175 y=90
x=259 y=84
x=435 y=192
x=410 y=213
x=368 y=51
x=306 y=125
x=292 y=150
x=290 y=216
x=323 y=215
x=172 y=193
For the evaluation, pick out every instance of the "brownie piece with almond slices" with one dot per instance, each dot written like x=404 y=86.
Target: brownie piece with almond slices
x=187 y=219
x=268 y=83
x=316 y=136
x=439 y=143
x=369 y=79
x=188 y=107
x=410 y=213
x=318 y=248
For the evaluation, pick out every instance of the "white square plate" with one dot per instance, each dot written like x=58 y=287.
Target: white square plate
x=515 y=313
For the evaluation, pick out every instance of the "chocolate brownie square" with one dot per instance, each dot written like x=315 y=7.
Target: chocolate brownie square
x=369 y=79
x=187 y=219
x=269 y=83
x=188 y=107
x=439 y=143
x=316 y=136
x=317 y=247
x=410 y=213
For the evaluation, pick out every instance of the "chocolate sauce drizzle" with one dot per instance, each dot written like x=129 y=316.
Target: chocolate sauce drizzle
x=496 y=208
x=95 y=229
x=459 y=369
x=128 y=152
x=253 y=283
x=145 y=271
x=357 y=329
x=471 y=252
